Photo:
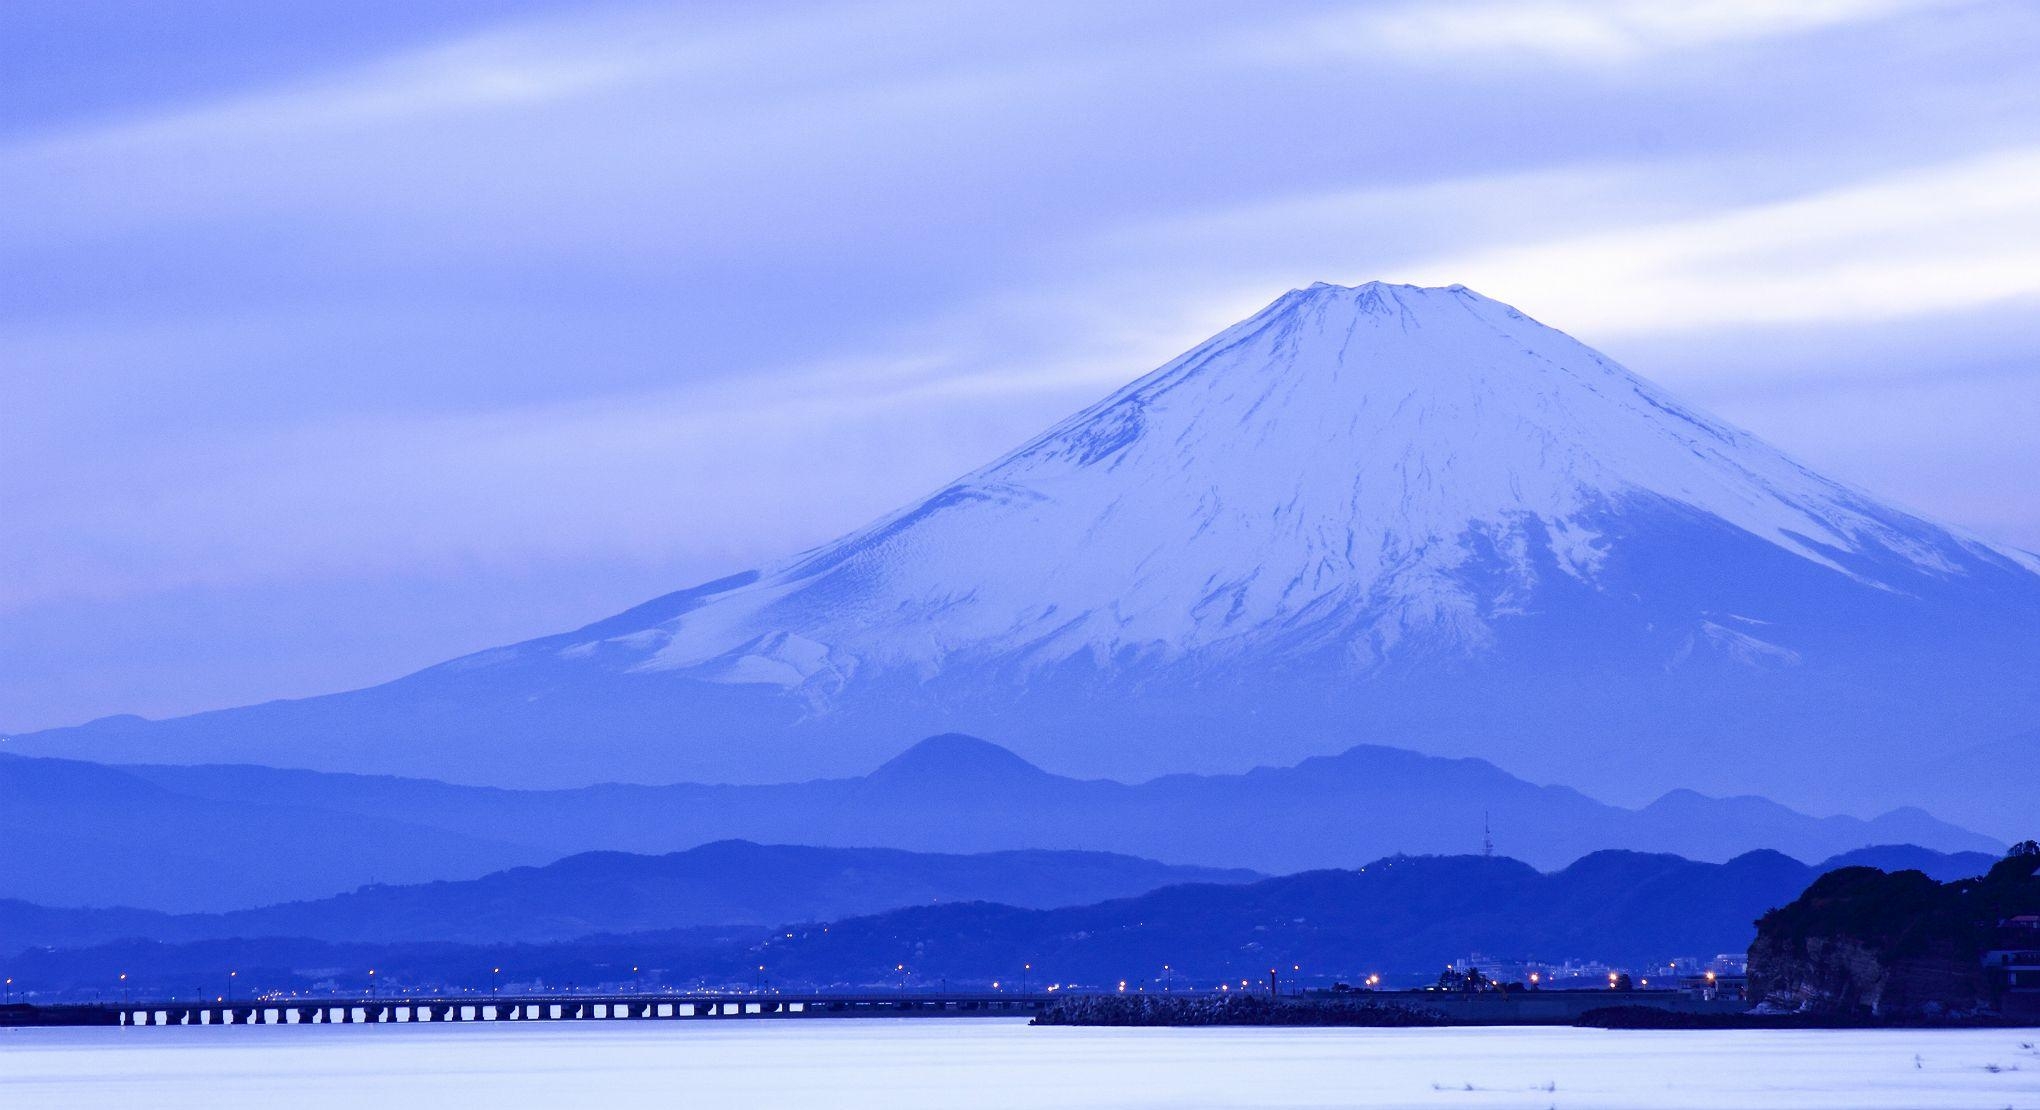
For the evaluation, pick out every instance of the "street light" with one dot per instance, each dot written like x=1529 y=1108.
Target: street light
x=230 y=986
x=493 y=972
x=371 y=982
x=7 y=993
x=1168 y=978
x=123 y=988
x=1026 y=973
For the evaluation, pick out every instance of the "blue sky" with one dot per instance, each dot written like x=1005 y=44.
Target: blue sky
x=337 y=342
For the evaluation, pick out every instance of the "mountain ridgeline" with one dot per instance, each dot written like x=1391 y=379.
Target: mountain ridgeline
x=177 y=838
x=1400 y=916
x=727 y=883
x=1381 y=513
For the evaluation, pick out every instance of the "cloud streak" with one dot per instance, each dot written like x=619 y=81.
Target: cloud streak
x=1587 y=31
x=1925 y=241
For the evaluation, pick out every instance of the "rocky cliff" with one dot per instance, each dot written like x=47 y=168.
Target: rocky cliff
x=1890 y=944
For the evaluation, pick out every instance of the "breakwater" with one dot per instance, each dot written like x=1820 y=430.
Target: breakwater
x=1182 y=1010
x=1382 y=1009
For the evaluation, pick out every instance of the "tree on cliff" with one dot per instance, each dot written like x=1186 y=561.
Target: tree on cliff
x=2010 y=876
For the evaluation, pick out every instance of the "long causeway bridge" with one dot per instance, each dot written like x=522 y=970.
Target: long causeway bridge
x=630 y=1007
x=1557 y=1007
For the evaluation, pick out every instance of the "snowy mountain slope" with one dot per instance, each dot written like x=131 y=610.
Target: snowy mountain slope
x=1319 y=476
x=1384 y=513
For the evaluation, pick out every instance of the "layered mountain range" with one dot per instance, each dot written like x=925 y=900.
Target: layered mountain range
x=1402 y=916
x=726 y=883
x=1384 y=514
x=224 y=838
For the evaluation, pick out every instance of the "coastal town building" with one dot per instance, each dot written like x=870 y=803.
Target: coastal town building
x=2013 y=965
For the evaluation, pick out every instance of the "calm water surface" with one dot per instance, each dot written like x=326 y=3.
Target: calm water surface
x=996 y=1063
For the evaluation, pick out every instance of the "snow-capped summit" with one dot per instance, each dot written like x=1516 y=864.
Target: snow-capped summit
x=1383 y=513
x=1317 y=478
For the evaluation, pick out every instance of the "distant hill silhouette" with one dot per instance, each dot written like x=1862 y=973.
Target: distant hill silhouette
x=1397 y=916
x=82 y=834
x=166 y=837
x=730 y=882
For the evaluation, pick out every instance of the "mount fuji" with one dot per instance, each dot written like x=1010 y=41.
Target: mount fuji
x=1387 y=514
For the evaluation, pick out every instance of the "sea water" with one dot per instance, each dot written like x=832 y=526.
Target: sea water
x=910 y=1063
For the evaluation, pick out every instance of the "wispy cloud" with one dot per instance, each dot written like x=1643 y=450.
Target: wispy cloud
x=1595 y=31
x=1621 y=249
x=1917 y=243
